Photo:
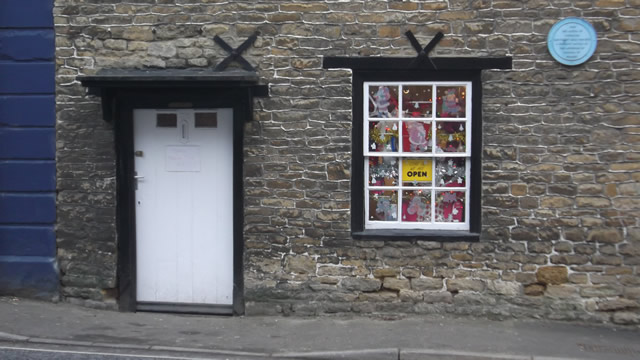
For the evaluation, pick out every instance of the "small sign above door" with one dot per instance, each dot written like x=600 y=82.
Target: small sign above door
x=182 y=158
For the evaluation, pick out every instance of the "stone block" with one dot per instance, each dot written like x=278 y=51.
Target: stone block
x=518 y=189
x=592 y=202
x=628 y=24
x=411 y=273
x=465 y=284
x=604 y=235
x=332 y=270
x=506 y=288
x=606 y=260
x=534 y=290
x=456 y=246
x=467 y=298
x=300 y=264
x=396 y=284
x=253 y=308
x=380 y=296
x=632 y=293
x=403 y=6
x=626 y=318
x=162 y=49
x=609 y=3
x=540 y=247
x=386 y=272
x=269 y=266
x=555 y=202
x=477 y=27
x=569 y=259
x=601 y=291
x=526 y=278
x=629 y=249
x=554 y=275
x=576 y=234
x=576 y=278
x=303 y=7
x=361 y=284
x=461 y=257
x=337 y=172
x=617 y=304
x=438 y=297
x=410 y=296
x=423 y=284
x=561 y=291
x=387 y=31
x=585 y=249
x=590 y=189
x=138 y=33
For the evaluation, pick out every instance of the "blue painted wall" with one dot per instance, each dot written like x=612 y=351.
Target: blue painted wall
x=27 y=149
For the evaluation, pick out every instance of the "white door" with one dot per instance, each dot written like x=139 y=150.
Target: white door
x=184 y=205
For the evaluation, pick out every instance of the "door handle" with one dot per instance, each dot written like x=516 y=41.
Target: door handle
x=136 y=178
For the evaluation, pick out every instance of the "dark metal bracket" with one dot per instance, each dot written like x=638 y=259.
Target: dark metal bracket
x=235 y=54
x=423 y=53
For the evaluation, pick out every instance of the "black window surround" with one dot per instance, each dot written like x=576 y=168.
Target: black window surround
x=406 y=69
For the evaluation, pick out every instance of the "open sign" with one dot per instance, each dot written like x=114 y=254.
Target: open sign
x=417 y=170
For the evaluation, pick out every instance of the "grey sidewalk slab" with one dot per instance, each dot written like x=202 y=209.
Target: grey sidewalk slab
x=420 y=354
x=322 y=336
x=12 y=337
x=369 y=354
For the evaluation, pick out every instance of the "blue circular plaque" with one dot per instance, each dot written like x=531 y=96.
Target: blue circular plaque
x=572 y=41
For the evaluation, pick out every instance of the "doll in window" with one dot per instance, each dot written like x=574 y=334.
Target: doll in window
x=450 y=104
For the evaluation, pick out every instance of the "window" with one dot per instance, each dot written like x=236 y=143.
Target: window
x=417 y=155
x=416 y=158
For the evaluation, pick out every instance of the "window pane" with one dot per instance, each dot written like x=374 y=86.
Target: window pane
x=416 y=136
x=417 y=101
x=450 y=172
x=451 y=101
x=450 y=206
x=167 y=120
x=383 y=136
x=383 y=205
x=417 y=172
x=383 y=101
x=451 y=136
x=416 y=206
x=383 y=171
x=206 y=120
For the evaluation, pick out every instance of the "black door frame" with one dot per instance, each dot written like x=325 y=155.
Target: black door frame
x=121 y=103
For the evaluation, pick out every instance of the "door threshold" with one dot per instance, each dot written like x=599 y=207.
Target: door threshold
x=184 y=308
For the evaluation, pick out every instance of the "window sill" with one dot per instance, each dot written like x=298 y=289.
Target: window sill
x=408 y=235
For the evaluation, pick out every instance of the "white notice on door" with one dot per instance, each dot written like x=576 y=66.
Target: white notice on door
x=182 y=158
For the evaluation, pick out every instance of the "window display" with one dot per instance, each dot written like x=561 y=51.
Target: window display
x=417 y=155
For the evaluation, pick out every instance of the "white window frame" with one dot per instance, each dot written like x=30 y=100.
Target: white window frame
x=433 y=154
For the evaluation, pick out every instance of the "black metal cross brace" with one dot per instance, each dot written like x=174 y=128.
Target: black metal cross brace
x=423 y=53
x=235 y=54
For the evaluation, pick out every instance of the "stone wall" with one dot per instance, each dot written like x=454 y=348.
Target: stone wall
x=561 y=159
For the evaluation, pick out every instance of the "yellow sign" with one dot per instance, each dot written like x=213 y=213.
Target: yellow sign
x=416 y=169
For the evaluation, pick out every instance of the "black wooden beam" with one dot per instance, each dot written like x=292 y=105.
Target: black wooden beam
x=403 y=63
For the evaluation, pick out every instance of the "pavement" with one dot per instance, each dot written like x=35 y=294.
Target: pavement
x=405 y=337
